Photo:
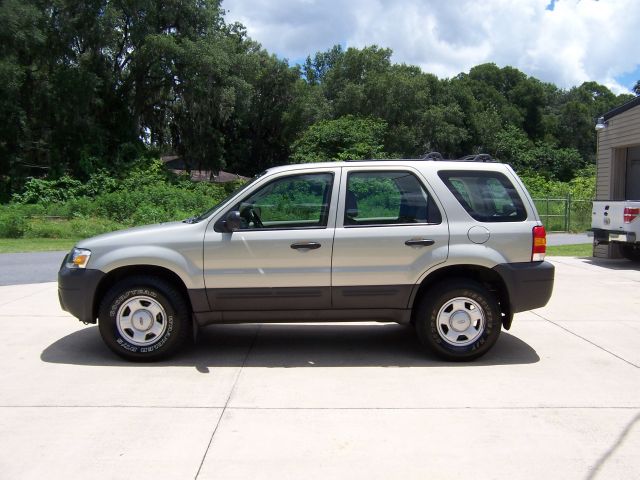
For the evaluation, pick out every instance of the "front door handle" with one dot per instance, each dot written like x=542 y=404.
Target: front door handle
x=419 y=242
x=306 y=245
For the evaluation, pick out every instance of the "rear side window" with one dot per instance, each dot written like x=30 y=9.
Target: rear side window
x=387 y=198
x=486 y=196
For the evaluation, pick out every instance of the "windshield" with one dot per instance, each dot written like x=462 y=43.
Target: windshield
x=208 y=213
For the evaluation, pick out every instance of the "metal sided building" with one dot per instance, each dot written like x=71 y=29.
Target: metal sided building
x=618 y=159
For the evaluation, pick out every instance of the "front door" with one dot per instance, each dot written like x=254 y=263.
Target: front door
x=280 y=258
x=389 y=232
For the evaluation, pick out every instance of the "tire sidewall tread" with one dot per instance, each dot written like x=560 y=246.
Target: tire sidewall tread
x=427 y=313
x=178 y=324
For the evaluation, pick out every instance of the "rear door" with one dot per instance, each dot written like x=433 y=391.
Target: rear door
x=389 y=231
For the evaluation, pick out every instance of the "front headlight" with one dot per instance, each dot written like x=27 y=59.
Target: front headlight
x=78 y=258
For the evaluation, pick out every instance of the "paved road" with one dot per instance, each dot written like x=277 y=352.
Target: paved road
x=558 y=396
x=23 y=268
x=555 y=239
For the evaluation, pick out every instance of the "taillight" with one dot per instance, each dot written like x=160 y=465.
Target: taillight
x=539 y=244
x=630 y=214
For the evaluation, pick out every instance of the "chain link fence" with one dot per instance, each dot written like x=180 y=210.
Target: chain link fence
x=564 y=214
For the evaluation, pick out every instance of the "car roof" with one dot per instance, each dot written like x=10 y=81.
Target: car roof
x=416 y=163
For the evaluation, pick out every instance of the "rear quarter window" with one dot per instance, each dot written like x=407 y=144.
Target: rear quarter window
x=486 y=196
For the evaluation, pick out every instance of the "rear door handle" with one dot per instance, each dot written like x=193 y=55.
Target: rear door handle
x=419 y=242
x=306 y=245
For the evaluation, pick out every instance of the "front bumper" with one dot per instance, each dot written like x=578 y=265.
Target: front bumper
x=76 y=291
x=529 y=284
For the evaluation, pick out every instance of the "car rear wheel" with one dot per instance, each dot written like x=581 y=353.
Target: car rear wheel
x=631 y=252
x=144 y=318
x=458 y=320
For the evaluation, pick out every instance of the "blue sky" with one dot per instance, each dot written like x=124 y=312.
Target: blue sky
x=565 y=42
x=629 y=79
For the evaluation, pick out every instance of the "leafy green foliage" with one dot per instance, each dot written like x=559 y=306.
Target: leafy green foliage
x=12 y=223
x=65 y=188
x=346 y=138
x=87 y=88
x=581 y=187
x=376 y=197
x=563 y=206
x=67 y=208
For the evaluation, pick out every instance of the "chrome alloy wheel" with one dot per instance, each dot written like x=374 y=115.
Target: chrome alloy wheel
x=460 y=321
x=141 y=320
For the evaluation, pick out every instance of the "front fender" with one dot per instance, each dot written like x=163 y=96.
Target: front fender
x=187 y=267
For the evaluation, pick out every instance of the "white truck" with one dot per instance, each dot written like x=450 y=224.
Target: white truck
x=618 y=222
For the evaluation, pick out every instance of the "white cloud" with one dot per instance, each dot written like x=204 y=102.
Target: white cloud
x=579 y=40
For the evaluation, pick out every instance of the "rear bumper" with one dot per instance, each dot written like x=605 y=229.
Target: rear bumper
x=76 y=291
x=529 y=284
x=605 y=236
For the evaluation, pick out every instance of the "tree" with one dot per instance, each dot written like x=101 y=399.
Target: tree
x=636 y=88
x=345 y=138
x=97 y=84
x=260 y=136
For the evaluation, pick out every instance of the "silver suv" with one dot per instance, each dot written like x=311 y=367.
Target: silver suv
x=453 y=247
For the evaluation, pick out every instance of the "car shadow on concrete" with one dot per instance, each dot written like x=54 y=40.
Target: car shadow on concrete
x=621 y=264
x=291 y=346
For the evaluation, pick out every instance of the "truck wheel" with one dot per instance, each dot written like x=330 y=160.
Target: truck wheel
x=632 y=252
x=144 y=318
x=459 y=320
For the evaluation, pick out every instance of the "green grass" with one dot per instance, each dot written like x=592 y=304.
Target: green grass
x=582 y=250
x=17 y=245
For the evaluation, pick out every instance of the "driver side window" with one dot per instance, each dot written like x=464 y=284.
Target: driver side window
x=298 y=201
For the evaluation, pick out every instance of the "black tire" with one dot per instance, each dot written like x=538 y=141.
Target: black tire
x=476 y=314
x=631 y=252
x=160 y=311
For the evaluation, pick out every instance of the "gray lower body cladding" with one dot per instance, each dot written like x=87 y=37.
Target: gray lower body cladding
x=529 y=284
x=309 y=298
x=76 y=291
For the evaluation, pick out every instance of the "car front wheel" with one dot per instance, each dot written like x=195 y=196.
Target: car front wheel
x=458 y=320
x=144 y=318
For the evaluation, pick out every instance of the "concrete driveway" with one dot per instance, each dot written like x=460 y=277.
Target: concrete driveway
x=558 y=397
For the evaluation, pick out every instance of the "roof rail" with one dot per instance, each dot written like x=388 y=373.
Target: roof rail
x=432 y=156
x=480 y=157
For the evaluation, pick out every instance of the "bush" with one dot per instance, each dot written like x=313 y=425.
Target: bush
x=12 y=223
x=147 y=214
x=90 y=227
x=157 y=201
x=581 y=187
x=552 y=200
x=146 y=194
x=42 y=191
x=63 y=228
x=76 y=208
x=48 y=228
x=46 y=192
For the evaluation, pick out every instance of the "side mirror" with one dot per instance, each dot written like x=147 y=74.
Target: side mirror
x=233 y=221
